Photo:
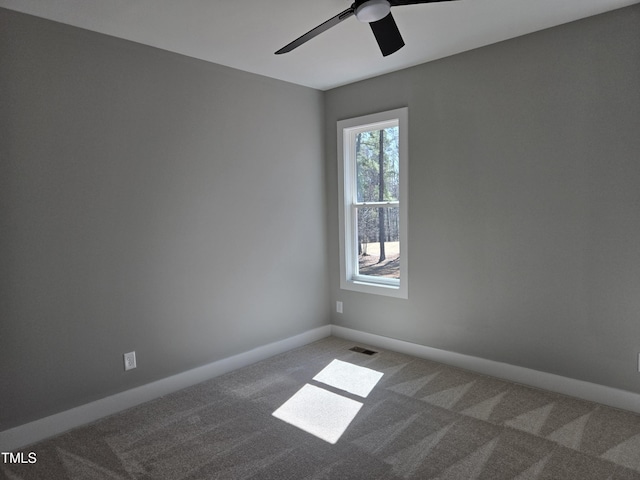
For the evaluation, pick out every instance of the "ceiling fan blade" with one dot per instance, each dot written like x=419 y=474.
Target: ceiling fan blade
x=395 y=3
x=332 y=22
x=387 y=34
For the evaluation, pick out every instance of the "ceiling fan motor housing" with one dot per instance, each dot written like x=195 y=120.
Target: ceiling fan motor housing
x=372 y=10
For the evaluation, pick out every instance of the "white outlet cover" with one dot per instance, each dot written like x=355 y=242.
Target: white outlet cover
x=339 y=307
x=130 y=361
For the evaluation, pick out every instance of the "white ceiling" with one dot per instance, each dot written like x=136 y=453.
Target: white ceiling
x=244 y=33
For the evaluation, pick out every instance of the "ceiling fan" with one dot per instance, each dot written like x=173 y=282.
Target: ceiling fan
x=377 y=13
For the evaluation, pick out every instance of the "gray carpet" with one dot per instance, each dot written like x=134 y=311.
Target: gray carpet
x=422 y=420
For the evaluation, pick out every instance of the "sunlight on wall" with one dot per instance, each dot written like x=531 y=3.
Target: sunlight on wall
x=325 y=414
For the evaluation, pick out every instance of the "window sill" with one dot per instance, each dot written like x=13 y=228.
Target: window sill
x=397 y=291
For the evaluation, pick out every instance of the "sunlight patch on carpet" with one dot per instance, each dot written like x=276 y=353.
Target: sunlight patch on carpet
x=319 y=412
x=326 y=414
x=349 y=377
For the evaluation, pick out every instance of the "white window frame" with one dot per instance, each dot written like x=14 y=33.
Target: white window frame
x=347 y=193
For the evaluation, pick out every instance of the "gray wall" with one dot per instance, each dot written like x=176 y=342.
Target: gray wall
x=149 y=202
x=524 y=194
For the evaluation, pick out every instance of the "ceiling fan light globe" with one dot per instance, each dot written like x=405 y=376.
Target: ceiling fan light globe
x=373 y=10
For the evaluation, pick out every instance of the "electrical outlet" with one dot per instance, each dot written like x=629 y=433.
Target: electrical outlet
x=339 y=307
x=130 y=361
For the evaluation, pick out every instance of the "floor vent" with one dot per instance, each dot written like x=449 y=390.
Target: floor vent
x=362 y=350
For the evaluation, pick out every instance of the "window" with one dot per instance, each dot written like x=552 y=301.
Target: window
x=372 y=173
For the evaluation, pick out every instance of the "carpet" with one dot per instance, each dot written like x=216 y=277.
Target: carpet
x=415 y=419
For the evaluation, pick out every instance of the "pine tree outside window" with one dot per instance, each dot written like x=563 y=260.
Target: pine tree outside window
x=372 y=171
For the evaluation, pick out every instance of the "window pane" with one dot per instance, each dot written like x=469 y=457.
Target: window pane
x=377 y=165
x=375 y=257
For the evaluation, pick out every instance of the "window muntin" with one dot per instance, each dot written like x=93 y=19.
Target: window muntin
x=372 y=170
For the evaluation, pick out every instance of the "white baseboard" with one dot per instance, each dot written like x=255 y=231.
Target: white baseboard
x=568 y=386
x=43 y=428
